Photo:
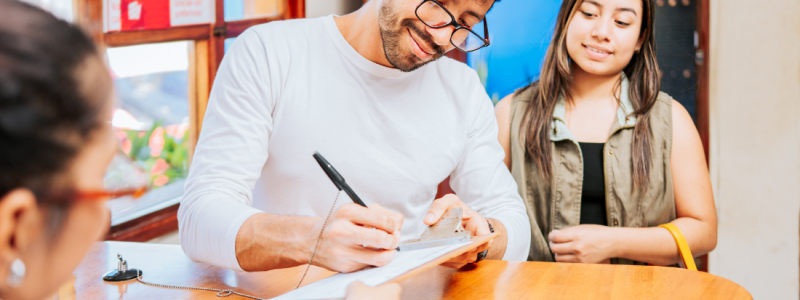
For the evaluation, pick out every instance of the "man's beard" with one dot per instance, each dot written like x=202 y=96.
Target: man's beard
x=391 y=34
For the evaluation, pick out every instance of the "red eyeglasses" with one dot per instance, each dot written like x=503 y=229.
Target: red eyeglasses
x=123 y=178
x=108 y=195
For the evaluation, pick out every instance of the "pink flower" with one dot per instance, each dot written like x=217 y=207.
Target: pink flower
x=156 y=142
x=159 y=167
x=126 y=146
x=177 y=130
x=161 y=180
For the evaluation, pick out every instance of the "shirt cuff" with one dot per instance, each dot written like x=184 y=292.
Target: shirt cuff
x=518 y=233
x=210 y=232
x=230 y=237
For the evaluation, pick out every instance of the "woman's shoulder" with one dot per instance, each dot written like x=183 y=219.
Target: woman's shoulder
x=670 y=117
x=664 y=101
x=662 y=108
x=513 y=104
x=503 y=107
x=668 y=108
x=523 y=94
x=518 y=100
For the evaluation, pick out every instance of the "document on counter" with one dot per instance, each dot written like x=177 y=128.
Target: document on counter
x=404 y=261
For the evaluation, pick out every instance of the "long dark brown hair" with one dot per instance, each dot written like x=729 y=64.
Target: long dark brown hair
x=556 y=79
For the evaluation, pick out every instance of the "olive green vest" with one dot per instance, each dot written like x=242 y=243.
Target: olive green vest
x=557 y=204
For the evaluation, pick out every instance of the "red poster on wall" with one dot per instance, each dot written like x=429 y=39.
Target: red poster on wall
x=144 y=14
x=126 y=15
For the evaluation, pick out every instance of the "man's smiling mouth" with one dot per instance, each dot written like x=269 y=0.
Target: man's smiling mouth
x=418 y=44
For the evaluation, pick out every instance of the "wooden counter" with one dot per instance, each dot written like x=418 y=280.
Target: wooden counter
x=167 y=264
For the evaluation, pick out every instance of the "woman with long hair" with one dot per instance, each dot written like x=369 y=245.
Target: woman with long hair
x=55 y=143
x=600 y=155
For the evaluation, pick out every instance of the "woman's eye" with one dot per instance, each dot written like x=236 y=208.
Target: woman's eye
x=587 y=14
x=623 y=23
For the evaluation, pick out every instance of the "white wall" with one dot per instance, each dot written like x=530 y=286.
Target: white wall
x=318 y=8
x=755 y=143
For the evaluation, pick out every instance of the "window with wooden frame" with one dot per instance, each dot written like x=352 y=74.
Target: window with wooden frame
x=163 y=56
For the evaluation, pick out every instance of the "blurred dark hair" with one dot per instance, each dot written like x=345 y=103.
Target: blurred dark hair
x=45 y=114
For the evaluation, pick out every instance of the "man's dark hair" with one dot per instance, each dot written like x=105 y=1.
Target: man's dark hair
x=45 y=116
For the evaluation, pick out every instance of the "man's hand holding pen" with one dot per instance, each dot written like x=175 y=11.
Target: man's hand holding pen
x=356 y=237
x=351 y=242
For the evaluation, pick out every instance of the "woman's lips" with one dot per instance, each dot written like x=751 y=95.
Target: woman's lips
x=597 y=53
x=417 y=48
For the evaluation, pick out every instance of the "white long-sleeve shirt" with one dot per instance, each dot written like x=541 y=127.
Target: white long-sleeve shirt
x=287 y=89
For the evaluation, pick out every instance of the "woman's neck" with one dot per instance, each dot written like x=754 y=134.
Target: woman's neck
x=592 y=87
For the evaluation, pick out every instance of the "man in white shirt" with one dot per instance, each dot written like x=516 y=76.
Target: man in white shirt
x=365 y=90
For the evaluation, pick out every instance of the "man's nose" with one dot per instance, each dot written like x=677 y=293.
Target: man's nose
x=441 y=36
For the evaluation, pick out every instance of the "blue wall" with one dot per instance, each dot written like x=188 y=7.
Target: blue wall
x=520 y=32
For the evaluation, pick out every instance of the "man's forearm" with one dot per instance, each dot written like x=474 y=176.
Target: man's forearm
x=266 y=242
x=499 y=244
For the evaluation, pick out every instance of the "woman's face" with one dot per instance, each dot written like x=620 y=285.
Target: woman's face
x=604 y=35
x=50 y=257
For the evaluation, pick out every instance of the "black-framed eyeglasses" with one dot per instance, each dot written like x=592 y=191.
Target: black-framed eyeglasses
x=434 y=15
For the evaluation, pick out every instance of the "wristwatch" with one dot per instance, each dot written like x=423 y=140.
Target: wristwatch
x=482 y=255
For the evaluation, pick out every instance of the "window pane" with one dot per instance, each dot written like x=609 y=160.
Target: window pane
x=151 y=120
x=249 y=9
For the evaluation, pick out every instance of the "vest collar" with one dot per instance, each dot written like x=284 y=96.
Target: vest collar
x=561 y=131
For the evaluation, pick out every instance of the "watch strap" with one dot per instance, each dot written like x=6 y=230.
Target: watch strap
x=482 y=255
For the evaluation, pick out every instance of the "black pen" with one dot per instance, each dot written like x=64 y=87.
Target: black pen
x=337 y=179
x=339 y=182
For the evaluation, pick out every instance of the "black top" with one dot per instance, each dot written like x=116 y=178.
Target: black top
x=593 y=194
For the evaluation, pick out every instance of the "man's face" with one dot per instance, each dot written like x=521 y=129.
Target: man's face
x=409 y=44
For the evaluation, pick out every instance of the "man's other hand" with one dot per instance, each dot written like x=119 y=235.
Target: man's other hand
x=471 y=220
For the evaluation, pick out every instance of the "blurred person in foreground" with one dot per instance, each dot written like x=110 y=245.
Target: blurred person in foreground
x=600 y=155
x=56 y=141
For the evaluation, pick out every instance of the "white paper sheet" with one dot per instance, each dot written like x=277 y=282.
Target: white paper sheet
x=336 y=286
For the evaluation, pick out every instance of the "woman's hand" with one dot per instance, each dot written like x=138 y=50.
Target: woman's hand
x=583 y=244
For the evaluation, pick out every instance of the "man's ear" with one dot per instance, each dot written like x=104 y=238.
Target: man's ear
x=20 y=226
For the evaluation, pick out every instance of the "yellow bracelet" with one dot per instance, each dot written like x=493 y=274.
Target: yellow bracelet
x=683 y=247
